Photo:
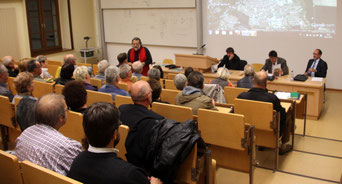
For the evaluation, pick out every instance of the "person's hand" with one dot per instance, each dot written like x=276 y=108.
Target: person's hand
x=154 y=180
x=280 y=72
x=16 y=66
x=312 y=70
x=231 y=56
x=306 y=74
x=213 y=101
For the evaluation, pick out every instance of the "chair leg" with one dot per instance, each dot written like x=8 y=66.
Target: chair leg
x=208 y=173
x=4 y=137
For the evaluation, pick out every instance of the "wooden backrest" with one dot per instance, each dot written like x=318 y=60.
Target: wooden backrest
x=169 y=95
x=73 y=127
x=84 y=64
x=123 y=130
x=56 y=63
x=95 y=69
x=33 y=173
x=96 y=82
x=6 y=112
x=144 y=78
x=222 y=129
x=9 y=170
x=171 y=76
x=123 y=86
x=16 y=102
x=257 y=66
x=42 y=88
x=121 y=100
x=59 y=88
x=94 y=96
x=231 y=93
x=259 y=114
x=52 y=69
x=174 y=112
x=169 y=84
x=11 y=85
x=184 y=173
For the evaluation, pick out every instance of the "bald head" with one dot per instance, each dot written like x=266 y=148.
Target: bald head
x=69 y=58
x=260 y=79
x=140 y=93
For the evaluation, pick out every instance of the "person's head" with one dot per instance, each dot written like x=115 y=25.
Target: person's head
x=196 y=80
x=23 y=64
x=187 y=72
x=24 y=82
x=154 y=73
x=260 y=79
x=34 y=67
x=317 y=53
x=125 y=71
x=69 y=58
x=102 y=66
x=25 y=112
x=101 y=123
x=273 y=56
x=50 y=110
x=67 y=71
x=3 y=73
x=136 y=43
x=75 y=95
x=8 y=61
x=156 y=89
x=230 y=51
x=81 y=74
x=42 y=61
x=122 y=58
x=223 y=73
x=141 y=93
x=137 y=67
x=180 y=81
x=112 y=75
x=248 y=70
x=160 y=69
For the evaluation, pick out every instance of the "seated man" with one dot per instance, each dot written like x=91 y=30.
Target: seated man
x=24 y=85
x=75 y=96
x=100 y=164
x=193 y=96
x=4 y=91
x=122 y=59
x=81 y=74
x=259 y=92
x=102 y=66
x=247 y=80
x=137 y=69
x=274 y=62
x=34 y=67
x=112 y=80
x=41 y=143
x=154 y=73
x=180 y=81
x=12 y=68
x=231 y=61
x=187 y=71
x=126 y=75
x=69 y=58
x=316 y=67
x=66 y=74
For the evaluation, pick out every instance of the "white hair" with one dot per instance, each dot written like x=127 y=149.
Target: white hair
x=111 y=74
x=102 y=66
x=3 y=69
x=249 y=70
x=137 y=67
x=223 y=73
x=154 y=73
x=80 y=73
x=124 y=70
x=7 y=60
x=180 y=81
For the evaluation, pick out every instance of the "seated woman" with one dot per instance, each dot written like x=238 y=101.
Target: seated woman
x=24 y=85
x=66 y=74
x=156 y=90
x=81 y=74
x=222 y=78
x=75 y=96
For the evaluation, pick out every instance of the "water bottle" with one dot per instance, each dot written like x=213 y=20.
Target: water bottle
x=291 y=76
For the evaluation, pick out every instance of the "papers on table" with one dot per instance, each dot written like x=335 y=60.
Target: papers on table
x=317 y=79
x=283 y=95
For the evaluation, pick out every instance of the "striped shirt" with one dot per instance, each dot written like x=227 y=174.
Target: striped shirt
x=45 y=146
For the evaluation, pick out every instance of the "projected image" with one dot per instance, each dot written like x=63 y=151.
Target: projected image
x=308 y=18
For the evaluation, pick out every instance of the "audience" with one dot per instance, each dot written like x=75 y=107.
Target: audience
x=180 y=81
x=4 y=91
x=112 y=80
x=23 y=64
x=41 y=143
x=75 y=96
x=123 y=59
x=187 y=71
x=259 y=92
x=100 y=163
x=34 y=67
x=156 y=90
x=137 y=69
x=25 y=112
x=222 y=78
x=247 y=80
x=66 y=74
x=12 y=68
x=102 y=66
x=125 y=75
x=154 y=73
x=193 y=96
x=24 y=85
x=160 y=69
x=69 y=58
x=43 y=63
x=81 y=74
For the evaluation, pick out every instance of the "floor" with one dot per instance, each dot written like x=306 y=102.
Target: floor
x=316 y=159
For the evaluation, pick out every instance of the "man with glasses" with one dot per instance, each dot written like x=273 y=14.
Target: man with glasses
x=316 y=67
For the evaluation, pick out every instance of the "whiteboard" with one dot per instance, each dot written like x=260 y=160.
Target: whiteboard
x=165 y=27
x=110 y=4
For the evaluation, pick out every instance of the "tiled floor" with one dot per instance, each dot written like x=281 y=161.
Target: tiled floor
x=317 y=157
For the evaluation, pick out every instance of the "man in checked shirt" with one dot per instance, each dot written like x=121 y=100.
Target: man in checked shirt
x=41 y=143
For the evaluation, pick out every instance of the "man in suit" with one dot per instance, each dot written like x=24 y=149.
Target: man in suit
x=274 y=61
x=316 y=67
x=231 y=60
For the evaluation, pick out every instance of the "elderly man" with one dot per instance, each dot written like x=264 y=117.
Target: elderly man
x=41 y=143
x=81 y=74
x=180 y=81
x=69 y=58
x=34 y=67
x=100 y=163
x=43 y=63
x=274 y=63
x=140 y=53
x=137 y=69
x=112 y=80
x=316 y=67
x=24 y=85
x=154 y=73
x=193 y=96
x=12 y=68
x=4 y=91
x=259 y=92
x=102 y=66
x=247 y=80
x=126 y=75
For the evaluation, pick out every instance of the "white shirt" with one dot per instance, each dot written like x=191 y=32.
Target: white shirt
x=102 y=150
x=314 y=66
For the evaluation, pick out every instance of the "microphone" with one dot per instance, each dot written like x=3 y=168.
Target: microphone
x=199 y=49
x=203 y=46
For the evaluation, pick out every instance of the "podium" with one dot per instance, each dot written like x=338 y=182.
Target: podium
x=200 y=63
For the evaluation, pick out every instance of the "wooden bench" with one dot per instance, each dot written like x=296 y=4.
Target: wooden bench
x=52 y=69
x=94 y=96
x=169 y=95
x=56 y=63
x=171 y=76
x=231 y=93
x=174 y=112
x=123 y=130
x=9 y=170
x=7 y=119
x=121 y=100
x=96 y=82
x=11 y=85
x=59 y=88
x=169 y=84
x=123 y=86
x=42 y=88
x=73 y=128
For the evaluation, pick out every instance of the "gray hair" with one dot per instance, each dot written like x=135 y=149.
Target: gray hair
x=142 y=93
x=7 y=60
x=3 y=68
x=180 y=80
x=111 y=74
x=41 y=58
x=49 y=108
x=249 y=70
x=223 y=73
x=102 y=66
x=124 y=70
x=154 y=73
x=80 y=73
x=137 y=67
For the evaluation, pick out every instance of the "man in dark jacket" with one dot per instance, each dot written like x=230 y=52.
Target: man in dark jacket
x=231 y=60
x=247 y=80
x=316 y=67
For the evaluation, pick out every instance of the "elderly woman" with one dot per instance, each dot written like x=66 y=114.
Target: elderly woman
x=75 y=96
x=102 y=66
x=222 y=78
x=112 y=79
x=81 y=74
x=66 y=74
x=137 y=69
x=126 y=75
x=247 y=80
x=43 y=63
x=154 y=73
x=180 y=81
x=24 y=85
